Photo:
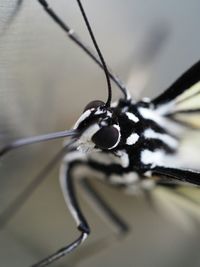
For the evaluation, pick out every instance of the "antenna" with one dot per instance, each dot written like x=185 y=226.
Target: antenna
x=36 y=139
x=98 y=51
x=75 y=38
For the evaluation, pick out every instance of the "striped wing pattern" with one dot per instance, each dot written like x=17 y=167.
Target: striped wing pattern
x=181 y=101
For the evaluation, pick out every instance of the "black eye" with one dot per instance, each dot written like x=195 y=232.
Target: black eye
x=94 y=104
x=106 y=137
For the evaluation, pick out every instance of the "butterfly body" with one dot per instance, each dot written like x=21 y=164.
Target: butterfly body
x=132 y=145
x=142 y=144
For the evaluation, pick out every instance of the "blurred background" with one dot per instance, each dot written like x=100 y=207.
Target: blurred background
x=45 y=83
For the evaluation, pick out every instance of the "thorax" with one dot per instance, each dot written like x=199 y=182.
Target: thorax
x=146 y=136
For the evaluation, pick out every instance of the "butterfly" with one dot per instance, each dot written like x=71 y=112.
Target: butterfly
x=128 y=144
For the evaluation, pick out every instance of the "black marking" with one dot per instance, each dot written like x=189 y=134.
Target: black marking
x=189 y=78
x=94 y=104
x=183 y=175
x=106 y=137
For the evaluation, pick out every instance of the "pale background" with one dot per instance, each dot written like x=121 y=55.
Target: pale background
x=45 y=82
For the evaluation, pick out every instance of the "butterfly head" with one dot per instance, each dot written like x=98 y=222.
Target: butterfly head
x=98 y=127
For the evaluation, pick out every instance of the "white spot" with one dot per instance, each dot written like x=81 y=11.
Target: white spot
x=85 y=143
x=84 y=237
x=109 y=114
x=158 y=158
x=85 y=115
x=132 y=117
x=125 y=160
x=114 y=104
x=146 y=100
x=148 y=173
x=151 y=115
x=128 y=95
x=167 y=139
x=100 y=111
x=132 y=139
x=123 y=157
x=71 y=32
x=127 y=178
x=152 y=157
x=165 y=108
x=103 y=123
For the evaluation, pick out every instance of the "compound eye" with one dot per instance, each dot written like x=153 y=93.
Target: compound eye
x=94 y=104
x=106 y=138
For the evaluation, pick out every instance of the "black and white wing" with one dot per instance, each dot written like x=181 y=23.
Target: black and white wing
x=177 y=194
x=181 y=101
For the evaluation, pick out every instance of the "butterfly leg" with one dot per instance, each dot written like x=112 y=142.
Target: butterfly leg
x=75 y=165
x=67 y=185
x=102 y=208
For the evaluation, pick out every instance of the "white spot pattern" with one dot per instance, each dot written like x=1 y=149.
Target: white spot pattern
x=132 y=139
x=132 y=117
